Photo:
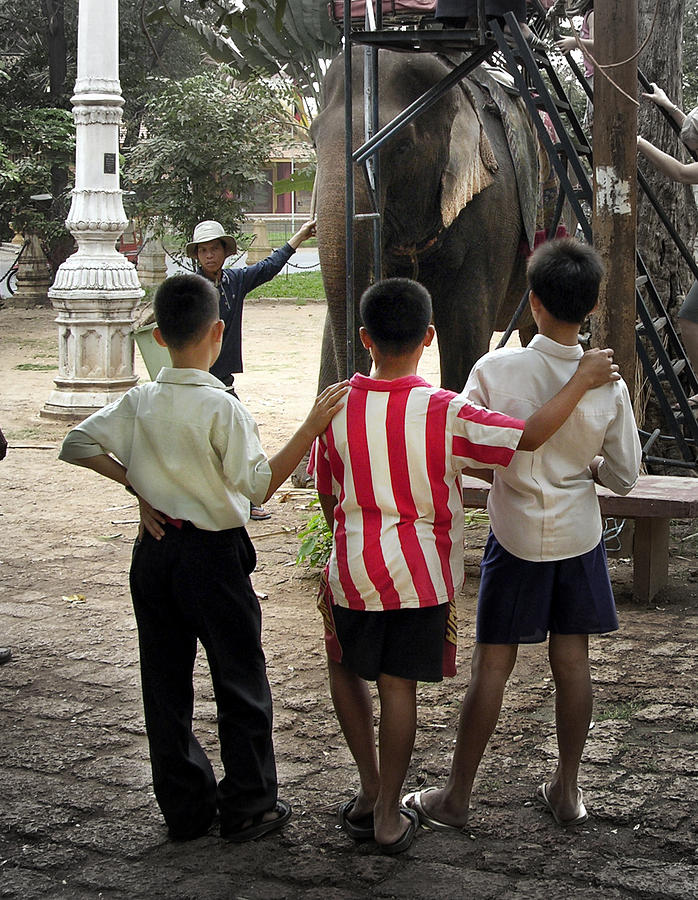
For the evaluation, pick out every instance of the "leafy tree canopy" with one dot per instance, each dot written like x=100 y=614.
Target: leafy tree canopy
x=208 y=138
x=293 y=38
x=690 y=55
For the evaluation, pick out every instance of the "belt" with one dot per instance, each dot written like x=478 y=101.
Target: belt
x=178 y=523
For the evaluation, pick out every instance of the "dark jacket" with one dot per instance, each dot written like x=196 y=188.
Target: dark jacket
x=234 y=286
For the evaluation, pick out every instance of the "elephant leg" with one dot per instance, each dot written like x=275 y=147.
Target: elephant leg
x=463 y=332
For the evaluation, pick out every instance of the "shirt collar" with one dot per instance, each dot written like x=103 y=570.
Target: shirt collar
x=168 y=375
x=552 y=348
x=395 y=384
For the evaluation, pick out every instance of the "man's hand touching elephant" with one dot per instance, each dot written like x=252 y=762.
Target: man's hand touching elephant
x=307 y=229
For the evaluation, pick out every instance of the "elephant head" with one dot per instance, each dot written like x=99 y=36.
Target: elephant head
x=449 y=204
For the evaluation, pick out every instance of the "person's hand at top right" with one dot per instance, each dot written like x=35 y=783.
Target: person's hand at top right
x=658 y=96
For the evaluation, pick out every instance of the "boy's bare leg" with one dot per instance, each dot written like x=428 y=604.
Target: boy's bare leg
x=569 y=661
x=354 y=708
x=490 y=668
x=398 y=725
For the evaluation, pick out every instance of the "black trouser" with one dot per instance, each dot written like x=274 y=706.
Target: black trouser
x=195 y=584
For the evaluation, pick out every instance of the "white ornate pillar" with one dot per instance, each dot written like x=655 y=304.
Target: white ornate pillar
x=96 y=290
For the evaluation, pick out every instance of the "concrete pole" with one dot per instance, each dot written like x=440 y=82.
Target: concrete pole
x=615 y=179
x=96 y=290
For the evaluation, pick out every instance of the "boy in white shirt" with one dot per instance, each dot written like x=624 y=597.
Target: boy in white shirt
x=544 y=567
x=190 y=452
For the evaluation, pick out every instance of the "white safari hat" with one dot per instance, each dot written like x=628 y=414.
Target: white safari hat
x=689 y=130
x=210 y=231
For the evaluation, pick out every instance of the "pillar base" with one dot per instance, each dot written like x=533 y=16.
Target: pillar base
x=77 y=405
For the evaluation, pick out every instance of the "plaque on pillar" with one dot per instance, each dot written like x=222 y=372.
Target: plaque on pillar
x=96 y=290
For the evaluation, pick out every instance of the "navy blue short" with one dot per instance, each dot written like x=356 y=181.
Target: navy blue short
x=406 y=643
x=521 y=601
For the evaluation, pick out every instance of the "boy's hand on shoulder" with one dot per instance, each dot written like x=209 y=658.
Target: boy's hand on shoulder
x=326 y=405
x=597 y=368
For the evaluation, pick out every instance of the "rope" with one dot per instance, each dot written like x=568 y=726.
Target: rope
x=296 y=266
x=602 y=67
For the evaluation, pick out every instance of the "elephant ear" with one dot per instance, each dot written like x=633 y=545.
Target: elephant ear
x=470 y=164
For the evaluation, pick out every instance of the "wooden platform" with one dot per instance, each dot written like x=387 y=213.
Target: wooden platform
x=652 y=503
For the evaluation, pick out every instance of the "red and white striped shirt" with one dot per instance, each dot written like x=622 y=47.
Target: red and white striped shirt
x=392 y=457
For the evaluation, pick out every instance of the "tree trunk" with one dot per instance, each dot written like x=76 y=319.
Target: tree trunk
x=56 y=47
x=660 y=61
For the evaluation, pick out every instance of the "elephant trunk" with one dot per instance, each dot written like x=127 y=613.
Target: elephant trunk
x=331 y=235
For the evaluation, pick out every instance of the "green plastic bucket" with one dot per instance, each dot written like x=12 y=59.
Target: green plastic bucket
x=154 y=356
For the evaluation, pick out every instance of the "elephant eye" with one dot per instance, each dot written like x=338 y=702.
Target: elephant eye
x=403 y=146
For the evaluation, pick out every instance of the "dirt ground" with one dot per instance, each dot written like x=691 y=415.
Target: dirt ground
x=77 y=814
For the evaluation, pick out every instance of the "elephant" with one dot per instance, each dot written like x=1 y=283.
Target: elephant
x=455 y=208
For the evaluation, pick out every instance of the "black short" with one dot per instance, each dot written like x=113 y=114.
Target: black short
x=406 y=643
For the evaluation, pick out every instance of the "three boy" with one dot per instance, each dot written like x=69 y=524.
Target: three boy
x=388 y=473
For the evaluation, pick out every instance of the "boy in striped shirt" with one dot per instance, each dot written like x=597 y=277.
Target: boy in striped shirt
x=387 y=472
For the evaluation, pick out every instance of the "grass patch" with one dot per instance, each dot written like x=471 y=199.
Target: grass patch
x=301 y=285
x=36 y=367
x=623 y=711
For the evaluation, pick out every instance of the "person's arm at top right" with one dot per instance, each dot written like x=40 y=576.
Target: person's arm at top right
x=684 y=173
x=659 y=97
x=570 y=42
x=595 y=369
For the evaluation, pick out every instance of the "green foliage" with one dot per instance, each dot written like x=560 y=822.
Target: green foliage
x=33 y=144
x=316 y=539
x=302 y=179
x=690 y=55
x=301 y=285
x=207 y=140
x=294 y=37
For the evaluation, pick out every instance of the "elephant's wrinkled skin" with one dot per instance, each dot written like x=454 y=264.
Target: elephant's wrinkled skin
x=468 y=256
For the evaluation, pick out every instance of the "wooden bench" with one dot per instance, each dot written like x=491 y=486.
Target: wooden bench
x=652 y=503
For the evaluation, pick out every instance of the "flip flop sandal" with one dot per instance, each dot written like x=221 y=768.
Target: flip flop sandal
x=360 y=829
x=405 y=841
x=259 y=513
x=258 y=828
x=414 y=801
x=579 y=819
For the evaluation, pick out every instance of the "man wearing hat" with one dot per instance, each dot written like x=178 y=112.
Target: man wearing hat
x=210 y=246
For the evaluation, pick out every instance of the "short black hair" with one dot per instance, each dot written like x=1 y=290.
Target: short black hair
x=396 y=313
x=185 y=306
x=565 y=274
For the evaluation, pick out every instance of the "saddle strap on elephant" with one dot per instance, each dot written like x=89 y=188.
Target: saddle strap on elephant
x=392 y=9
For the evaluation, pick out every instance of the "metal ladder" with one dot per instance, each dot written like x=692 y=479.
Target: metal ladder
x=659 y=348
x=663 y=359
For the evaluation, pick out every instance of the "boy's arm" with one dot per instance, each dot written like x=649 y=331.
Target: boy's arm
x=618 y=465
x=327 y=504
x=103 y=464
x=596 y=368
x=285 y=461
